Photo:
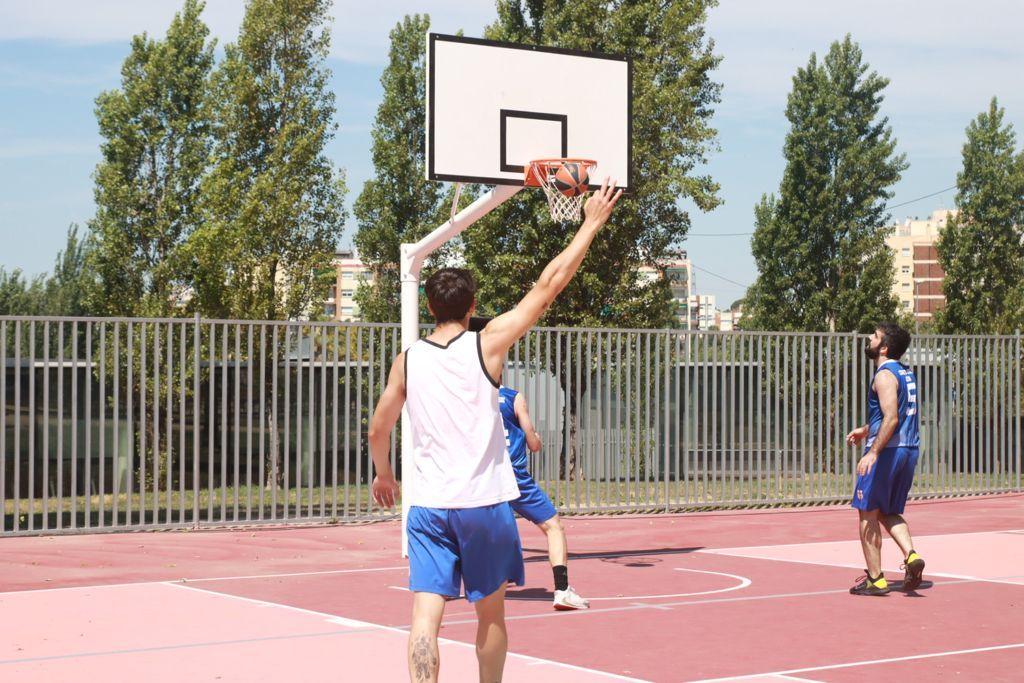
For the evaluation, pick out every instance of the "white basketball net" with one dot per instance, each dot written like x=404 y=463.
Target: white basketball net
x=563 y=207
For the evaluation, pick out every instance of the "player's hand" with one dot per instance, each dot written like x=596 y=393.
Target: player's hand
x=600 y=204
x=865 y=465
x=857 y=435
x=385 y=491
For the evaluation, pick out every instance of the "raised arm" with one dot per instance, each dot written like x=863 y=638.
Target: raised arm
x=526 y=424
x=385 y=416
x=503 y=331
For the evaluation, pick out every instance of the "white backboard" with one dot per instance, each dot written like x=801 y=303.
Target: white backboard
x=492 y=107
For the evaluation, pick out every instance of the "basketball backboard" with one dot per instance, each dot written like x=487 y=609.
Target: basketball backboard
x=493 y=107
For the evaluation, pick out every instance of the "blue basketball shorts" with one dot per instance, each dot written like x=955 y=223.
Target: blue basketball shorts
x=532 y=504
x=886 y=486
x=475 y=547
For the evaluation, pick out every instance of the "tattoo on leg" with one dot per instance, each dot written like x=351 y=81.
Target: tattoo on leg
x=424 y=663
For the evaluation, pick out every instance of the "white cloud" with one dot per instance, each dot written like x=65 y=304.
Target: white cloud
x=960 y=52
x=360 y=31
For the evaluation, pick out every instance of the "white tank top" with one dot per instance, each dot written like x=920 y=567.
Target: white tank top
x=459 y=455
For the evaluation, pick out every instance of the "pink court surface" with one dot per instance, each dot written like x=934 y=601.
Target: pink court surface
x=750 y=596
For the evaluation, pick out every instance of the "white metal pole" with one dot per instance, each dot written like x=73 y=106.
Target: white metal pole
x=412 y=258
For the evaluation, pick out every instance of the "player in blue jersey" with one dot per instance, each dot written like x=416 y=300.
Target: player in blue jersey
x=886 y=470
x=533 y=504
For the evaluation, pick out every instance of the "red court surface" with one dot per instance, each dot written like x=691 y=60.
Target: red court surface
x=751 y=595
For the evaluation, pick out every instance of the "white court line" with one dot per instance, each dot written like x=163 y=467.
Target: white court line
x=320 y=573
x=843 y=540
x=213 y=578
x=355 y=623
x=743 y=583
x=867 y=662
x=747 y=552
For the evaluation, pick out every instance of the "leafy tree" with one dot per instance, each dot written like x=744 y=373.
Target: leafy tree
x=981 y=247
x=155 y=153
x=72 y=280
x=673 y=96
x=398 y=205
x=820 y=245
x=20 y=296
x=273 y=203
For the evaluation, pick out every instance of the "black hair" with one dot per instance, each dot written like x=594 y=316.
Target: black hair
x=451 y=292
x=894 y=338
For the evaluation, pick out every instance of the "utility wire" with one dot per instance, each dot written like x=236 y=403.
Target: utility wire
x=747 y=234
x=720 y=277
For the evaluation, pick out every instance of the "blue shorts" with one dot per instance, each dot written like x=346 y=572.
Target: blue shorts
x=532 y=504
x=478 y=547
x=886 y=486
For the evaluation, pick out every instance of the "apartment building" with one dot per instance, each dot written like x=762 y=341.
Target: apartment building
x=678 y=271
x=918 y=282
x=350 y=271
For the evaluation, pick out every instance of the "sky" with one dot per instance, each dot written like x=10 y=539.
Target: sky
x=945 y=60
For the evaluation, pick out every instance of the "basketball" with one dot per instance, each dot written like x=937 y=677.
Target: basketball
x=570 y=179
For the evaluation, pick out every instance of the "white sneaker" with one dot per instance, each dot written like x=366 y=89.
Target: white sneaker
x=569 y=599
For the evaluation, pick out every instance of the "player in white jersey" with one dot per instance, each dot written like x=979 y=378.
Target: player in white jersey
x=460 y=527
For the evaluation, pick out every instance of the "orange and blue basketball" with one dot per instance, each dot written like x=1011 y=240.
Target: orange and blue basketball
x=570 y=179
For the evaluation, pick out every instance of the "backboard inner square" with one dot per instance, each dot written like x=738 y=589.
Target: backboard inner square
x=524 y=134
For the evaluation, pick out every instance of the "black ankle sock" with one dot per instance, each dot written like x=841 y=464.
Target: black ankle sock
x=561 y=573
x=873 y=579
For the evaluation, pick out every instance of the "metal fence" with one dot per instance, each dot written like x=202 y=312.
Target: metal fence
x=110 y=424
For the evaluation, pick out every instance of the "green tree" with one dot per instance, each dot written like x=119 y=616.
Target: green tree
x=19 y=295
x=155 y=153
x=67 y=290
x=820 y=245
x=273 y=203
x=980 y=248
x=673 y=97
x=398 y=205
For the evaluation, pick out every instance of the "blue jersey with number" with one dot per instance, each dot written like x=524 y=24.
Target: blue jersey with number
x=906 y=434
x=515 y=438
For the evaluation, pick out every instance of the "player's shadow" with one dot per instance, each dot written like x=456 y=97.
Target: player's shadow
x=623 y=558
x=898 y=586
x=514 y=593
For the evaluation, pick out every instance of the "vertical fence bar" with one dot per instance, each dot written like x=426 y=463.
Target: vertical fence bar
x=211 y=416
x=31 y=410
x=102 y=408
x=359 y=427
x=45 y=518
x=300 y=423
x=197 y=343
x=236 y=451
x=3 y=435
x=157 y=458
x=1017 y=409
x=16 y=454
x=225 y=452
x=334 y=421
x=347 y=449
x=250 y=359
x=182 y=420
x=263 y=436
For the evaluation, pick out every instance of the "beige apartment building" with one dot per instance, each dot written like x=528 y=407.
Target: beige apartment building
x=679 y=272
x=918 y=283
x=350 y=271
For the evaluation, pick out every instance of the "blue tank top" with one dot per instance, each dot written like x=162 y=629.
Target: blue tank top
x=906 y=434
x=515 y=438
